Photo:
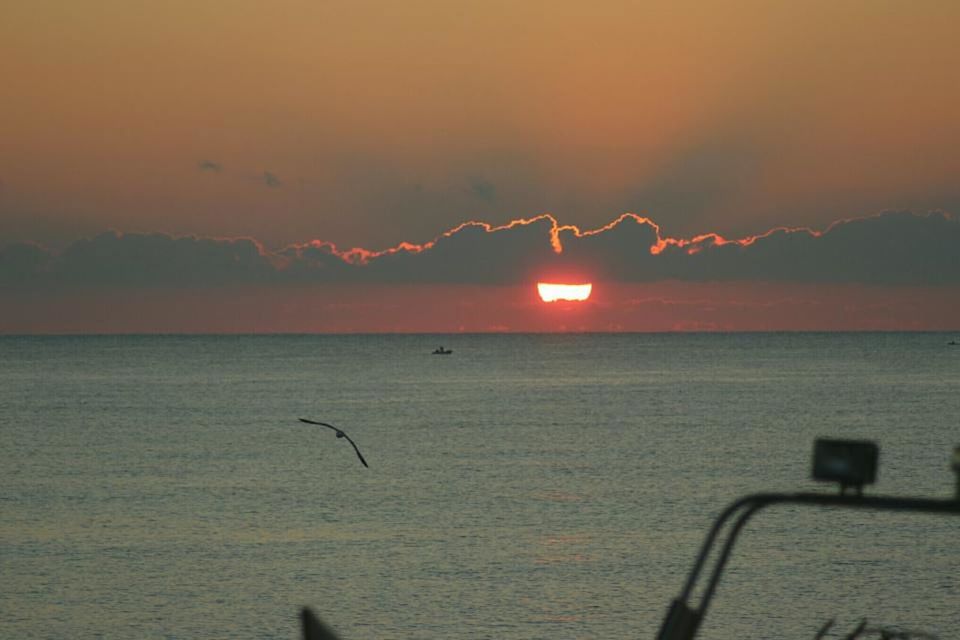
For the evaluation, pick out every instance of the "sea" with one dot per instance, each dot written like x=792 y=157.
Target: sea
x=545 y=486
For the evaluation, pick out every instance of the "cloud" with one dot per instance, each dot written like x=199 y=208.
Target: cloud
x=23 y=263
x=209 y=165
x=156 y=259
x=475 y=253
x=893 y=248
x=271 y=180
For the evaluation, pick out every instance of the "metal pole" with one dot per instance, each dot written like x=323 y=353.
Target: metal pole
x=955 y=465
x=683 y=621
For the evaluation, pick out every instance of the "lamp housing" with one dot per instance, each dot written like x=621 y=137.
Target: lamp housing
x=852 y=463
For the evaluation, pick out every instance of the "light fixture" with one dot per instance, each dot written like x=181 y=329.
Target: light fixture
x=852 y=463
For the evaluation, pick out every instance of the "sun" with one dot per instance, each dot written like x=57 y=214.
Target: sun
x=551 y=292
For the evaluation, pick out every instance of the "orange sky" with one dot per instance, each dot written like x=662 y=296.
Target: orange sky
x=371 y=123
x=380 y=117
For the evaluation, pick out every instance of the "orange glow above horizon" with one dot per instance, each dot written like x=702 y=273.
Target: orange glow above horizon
x=550 y=292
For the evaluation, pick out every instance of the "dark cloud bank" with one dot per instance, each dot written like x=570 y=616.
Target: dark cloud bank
x=896 y=248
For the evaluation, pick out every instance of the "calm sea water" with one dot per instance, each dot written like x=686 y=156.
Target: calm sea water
x=526 y=486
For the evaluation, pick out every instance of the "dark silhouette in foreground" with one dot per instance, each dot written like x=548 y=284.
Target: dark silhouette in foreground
x=340 y=434
x=849 y=463
x=313 y=629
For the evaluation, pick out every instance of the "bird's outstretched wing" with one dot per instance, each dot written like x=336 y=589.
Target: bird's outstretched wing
x=340 y=432
x=359 y=455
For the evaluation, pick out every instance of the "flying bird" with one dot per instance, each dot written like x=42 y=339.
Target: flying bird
x=340 y=434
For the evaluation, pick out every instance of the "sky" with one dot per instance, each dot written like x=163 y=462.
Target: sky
x=368 y=166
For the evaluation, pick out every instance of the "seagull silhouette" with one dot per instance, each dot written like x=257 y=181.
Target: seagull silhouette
x=340 y=434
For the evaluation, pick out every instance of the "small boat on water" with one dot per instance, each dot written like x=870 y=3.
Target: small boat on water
x=440 y=351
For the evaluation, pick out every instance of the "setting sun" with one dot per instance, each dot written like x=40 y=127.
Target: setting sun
x=550 y=292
